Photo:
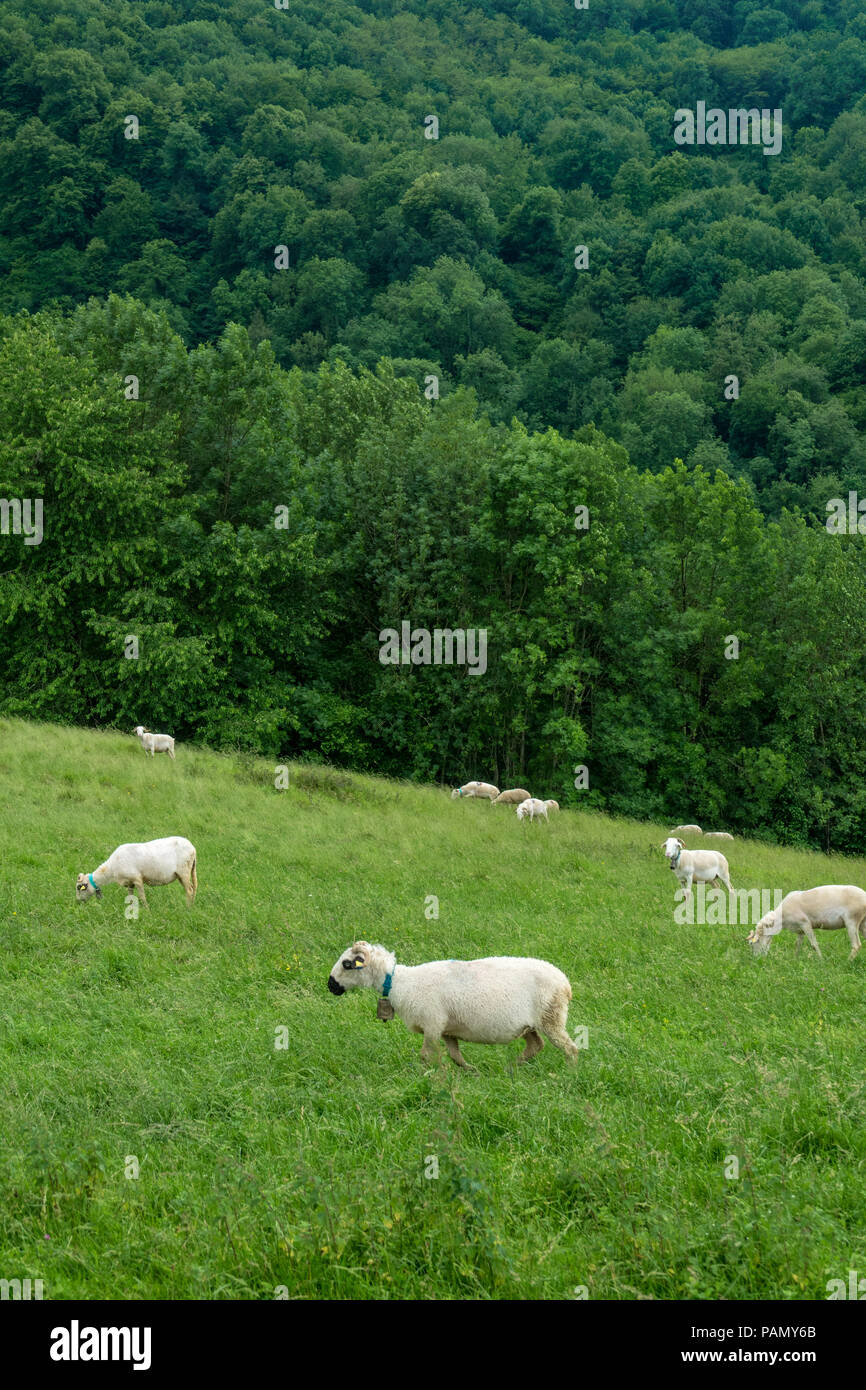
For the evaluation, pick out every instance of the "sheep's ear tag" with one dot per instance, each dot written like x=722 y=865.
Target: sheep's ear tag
x=384 y=1010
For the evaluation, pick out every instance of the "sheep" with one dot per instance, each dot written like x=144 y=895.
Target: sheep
x=718 y=835
x=134 y=865
x=532 y=807
x=705 y=865
x=494 y=1000
x=480 y=789
x=154 y=743
x=828 y=908
x=552 y=805
x=513 y=796
x=688 y=830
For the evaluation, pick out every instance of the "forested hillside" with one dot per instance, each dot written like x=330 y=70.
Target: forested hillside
x=239 y=466
x=305 y=127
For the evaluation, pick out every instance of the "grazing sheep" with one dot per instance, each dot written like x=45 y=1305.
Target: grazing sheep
x=688 y=830
x=718 y=835
x=705 y=865
x=532 y=807
x=485 y=790
x=552 y=805
x=494 y=1000
x=828 y=908
x=134 y=865
x=154 y=743
x=513 y=796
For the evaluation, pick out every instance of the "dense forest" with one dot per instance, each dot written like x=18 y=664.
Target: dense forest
x=287 y=371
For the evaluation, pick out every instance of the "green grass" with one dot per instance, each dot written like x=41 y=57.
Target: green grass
x=305 y=1166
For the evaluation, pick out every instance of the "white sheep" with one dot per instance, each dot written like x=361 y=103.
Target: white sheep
x=828 y=908
x=532 y=807
x=494 y=1000
x=552 y=805
x=718 y=835
x=154 y=743
x=705 y=865
x=485 y=790
x=512 y=797
x=688 y=830
x=153 y=862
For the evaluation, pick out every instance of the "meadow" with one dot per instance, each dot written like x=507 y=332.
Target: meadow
x=289 y=1144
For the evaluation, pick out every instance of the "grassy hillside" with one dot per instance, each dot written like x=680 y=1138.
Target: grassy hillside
x=304 y=1166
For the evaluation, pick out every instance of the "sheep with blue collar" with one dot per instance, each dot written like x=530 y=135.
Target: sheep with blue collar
x=150 y=862
x=704 y=865
x=494 y=1000
x=485 y=790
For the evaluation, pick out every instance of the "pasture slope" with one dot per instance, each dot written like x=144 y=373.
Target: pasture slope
x=304 y=1166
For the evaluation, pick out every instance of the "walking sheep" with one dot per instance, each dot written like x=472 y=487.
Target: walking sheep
x=494 y=1000
x=828 y=908
x=134 y=865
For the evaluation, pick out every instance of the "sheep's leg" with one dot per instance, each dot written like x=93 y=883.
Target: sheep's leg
x=171 y=752
x=138 y=885
x=810 y=937
x=430 y=1048
x=455 y=1054
x=726 y=880
x=852 y=929
x=800 y=939
x=187 y=886
x=534 y=1044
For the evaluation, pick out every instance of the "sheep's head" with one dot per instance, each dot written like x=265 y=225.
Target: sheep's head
x=670 y=847
x=455 y=793
x=761 y=935
x=351 y=969
x=139 y=730
x=84 y=889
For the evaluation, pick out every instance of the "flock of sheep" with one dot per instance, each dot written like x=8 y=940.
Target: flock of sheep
x=499 y=998
x=526 y=804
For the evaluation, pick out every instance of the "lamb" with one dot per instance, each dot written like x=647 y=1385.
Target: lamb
x=513 y=796
x=493 y=1000
x=532 y=808
x=154 y=743
x=828 y=908
x=134 y=865
x=552 y=805
x=688 y=830
x=705 y=865
x=480 y=789
x=718 y=835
